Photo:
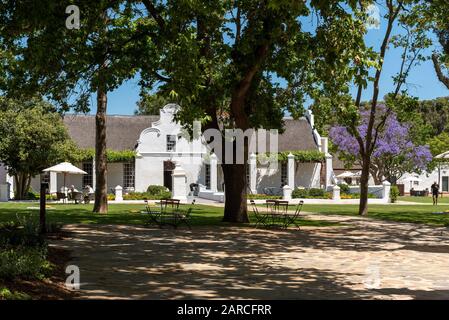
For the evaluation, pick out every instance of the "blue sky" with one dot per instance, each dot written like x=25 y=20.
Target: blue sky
x=422 y=82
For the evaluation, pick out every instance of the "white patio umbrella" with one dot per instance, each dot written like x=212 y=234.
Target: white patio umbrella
x=444 y=155
x=65 y=168
x=346 y=174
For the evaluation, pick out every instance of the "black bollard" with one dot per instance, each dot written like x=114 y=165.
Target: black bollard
x=42 y=215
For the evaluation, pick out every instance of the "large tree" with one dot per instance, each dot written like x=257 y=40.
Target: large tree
x=32 y=139
x=69 y=65
x=434 y=13
x=244 y=64
x=400 y=30
x=150 y=103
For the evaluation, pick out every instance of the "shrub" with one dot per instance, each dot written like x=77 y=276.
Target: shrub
x=24 y=232
x=394 y=193
x=156 y=190
x=314 y=192
x=6 y=294
x=300 y=193
x=146 y=196
x=111 y=197
x=344 y=188
x=24 y=262
x=51 y=197
x=356 y=196
x=263 y=197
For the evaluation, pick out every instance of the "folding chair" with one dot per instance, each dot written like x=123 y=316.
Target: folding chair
x=184 y=217
x=154 y=217
x=291 y=219
x=260 y=218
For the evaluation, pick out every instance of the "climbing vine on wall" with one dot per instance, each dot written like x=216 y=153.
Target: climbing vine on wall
x=301 y=156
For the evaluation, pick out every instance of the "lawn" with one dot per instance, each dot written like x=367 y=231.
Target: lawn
x=130 y=214
x=400 y=213
x=441 y=200
x=126 y=214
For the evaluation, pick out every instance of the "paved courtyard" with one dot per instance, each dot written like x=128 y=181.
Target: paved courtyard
x=363 y=259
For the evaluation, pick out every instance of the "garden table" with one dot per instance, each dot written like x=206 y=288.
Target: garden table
x=169 y=214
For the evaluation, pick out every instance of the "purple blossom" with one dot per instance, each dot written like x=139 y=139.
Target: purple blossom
x=393 y=142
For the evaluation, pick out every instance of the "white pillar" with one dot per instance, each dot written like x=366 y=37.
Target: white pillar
x=336 y=193
x=386 y=191
x=329 y=165
x=213 y=173
x=118 y=194
x=10 y=180
x=94 y=176
x=53 y=187
x=253 y=173
x=291 y=171
x=179 y=183
x=329 y=170
x=287 y=193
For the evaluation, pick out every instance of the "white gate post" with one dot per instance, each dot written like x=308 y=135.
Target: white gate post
x=336 y=193
x=213 y=173
x=179 y=183
x=118 y=194
x=291 y=171
x=253 y=173
x=287 y=193
x=386 y=191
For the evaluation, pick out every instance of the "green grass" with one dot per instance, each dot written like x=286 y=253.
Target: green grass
x=399 y=213
x=441 y=200
x=124 y=214
x=129 y=214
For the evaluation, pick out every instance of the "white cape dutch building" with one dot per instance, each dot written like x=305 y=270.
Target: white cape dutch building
x=159 y=144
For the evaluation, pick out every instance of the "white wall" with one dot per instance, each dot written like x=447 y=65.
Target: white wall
x=428 y=178
x=115 y=175
x=307 y=175
x=2 y=174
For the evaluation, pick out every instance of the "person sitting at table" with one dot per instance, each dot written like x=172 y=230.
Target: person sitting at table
x=73 y=189
x=88 y=189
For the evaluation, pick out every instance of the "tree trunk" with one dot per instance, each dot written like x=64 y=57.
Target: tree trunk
x=22 y=183
x=364 y=179
x=101 y=196
x=235 y=202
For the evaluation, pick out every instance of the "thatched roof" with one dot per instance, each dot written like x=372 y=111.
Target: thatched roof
x=123 y=132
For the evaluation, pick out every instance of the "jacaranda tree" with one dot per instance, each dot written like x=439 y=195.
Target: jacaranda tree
x=394 y=153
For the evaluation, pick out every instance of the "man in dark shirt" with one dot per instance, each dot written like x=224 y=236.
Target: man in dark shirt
x=435 y=191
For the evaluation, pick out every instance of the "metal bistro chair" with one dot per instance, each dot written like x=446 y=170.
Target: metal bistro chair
x=77 y=197
x=260 y=218
x=181 y=217
x=291 y=218
x=153 y=216
x=281 y=215
x=271 y=212
x=61 y=196
x=169 y=208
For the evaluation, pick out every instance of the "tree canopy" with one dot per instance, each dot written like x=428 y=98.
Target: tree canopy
x=394 y=153
x=32 y=139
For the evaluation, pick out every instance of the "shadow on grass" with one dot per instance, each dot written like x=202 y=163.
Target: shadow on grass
x=122 y=214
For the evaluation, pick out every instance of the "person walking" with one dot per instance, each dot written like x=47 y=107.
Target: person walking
x=435 y=192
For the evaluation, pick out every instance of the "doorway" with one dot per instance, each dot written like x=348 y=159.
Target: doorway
x=169 y=166
x=445 y=184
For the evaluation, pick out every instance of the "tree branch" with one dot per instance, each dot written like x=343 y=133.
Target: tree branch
x=441 y=76
x=154 y=13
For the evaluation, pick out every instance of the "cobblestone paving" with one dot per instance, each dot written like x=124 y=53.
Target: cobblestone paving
x=363 y=259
